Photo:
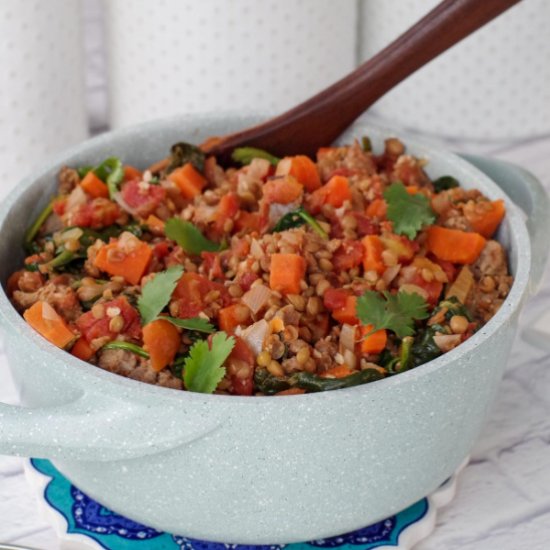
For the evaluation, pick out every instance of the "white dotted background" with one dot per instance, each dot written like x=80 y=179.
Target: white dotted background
x=493 y=85
x=42 y=104
x=174 y=56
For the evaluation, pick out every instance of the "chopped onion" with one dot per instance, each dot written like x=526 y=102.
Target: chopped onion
x=117 y=197
x=391 y=273
x=462 y=285
x=410 y=288
x=48 y=312
x=254 y=335
x=347 y=338
x=278 y=210
x=76 y=198
x=256 y=297
x=446 y=342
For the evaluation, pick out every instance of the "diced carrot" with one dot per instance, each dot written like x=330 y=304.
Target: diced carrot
x=155 y=224
x=162 y=340
x=94 y=186
x=347 y=314
x=131 y=173
x=453 y=245
x=286 y=273
x=283 y=190
x=412 y=189
x=82 y=349
x=372 y=261
x=335 y=192
x=44 y=319
x=377 y=209
x=303 y=169
x=291 y=391
x=375 y=342
x=249 y=221
x=339 y=371
x=230 y=317
x=128 y=263
x=159 y=166
x=485 y=217
x=189 y=180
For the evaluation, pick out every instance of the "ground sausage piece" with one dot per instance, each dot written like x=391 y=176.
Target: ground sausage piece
x=118 y=361
x=492 y=260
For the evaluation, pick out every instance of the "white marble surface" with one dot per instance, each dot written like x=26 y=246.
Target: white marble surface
x=503 y=500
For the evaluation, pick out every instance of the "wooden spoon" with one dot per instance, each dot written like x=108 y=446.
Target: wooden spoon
x=321 y=119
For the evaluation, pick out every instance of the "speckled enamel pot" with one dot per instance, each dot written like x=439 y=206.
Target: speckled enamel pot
x=260 y=470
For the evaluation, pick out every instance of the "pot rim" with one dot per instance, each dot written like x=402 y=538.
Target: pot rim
x=513 y=302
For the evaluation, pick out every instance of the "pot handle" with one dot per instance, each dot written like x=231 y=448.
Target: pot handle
x=99 y=428
x=528 y=193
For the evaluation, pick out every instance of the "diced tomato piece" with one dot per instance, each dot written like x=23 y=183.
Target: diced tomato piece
x=365 y=226
x=96 y=214
x=131 y=173
x=347 y=314
x=144 y=199
x=161 y=250
x=212 y=265
x=92 y=328
x=228 y=208
x=348 y=255
x=246 y=280
x=59 y=205
x=241 y=360
x=335 y=298
x=448 y=267
x=191 y=290
x=248 y=221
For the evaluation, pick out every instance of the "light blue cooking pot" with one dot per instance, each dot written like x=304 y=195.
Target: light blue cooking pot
x=260 y=470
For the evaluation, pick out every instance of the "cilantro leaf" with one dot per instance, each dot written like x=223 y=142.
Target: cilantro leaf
x=396 y=312
x=407 y=212
x=203 y=369
x=195 y=323
x=189 y=237
x=299 y=217
x=245 y=155
x=156 y=293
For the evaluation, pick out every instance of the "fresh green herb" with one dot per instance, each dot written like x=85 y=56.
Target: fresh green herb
x=409 y=213
x=189 y=237
x=156 y=293
x=195 y=323
x=127 y=346
x=388 y=361
x=269 y=384
x=366 y=143
x=313 y=383
x=445 y=182
x=453 y=307
x=63 y=258
x=31 y=232
x=115 y=230
x=245 y=155
x=182 y=153
x=83 y=170
x=299 y=217
x=424 y=348
x=394 y=312
x=203 y=367
x=405 y=354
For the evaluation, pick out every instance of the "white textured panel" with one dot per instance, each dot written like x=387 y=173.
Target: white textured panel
x=182 y=56
x=493 y=85
x=41 y=97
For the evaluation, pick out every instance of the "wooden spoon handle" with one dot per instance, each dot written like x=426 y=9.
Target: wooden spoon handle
x=322 y=118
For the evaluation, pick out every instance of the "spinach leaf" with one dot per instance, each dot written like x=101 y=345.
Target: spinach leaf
x=424 y=348
x=297 y=218
x=189 y=237
x=314 y=383
x=269 y=384
x=445 y=182
x=245 y=155
x=181 y=153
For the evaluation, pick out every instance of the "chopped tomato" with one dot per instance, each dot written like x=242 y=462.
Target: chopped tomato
x=212 y=265
x=448 y=267
x=59 y=205
x=349 y=254
x=246 y=280
x=241 y=368
x=248 y=221
x=96 y=214
x=142 y=197
x=228 y=208
x=335 y=298
x=161 y=250
x=191 y=291
x=92 y=327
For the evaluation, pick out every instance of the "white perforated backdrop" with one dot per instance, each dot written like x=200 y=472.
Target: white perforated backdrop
x=42 y=103
x=493 y=85
x=177 y=56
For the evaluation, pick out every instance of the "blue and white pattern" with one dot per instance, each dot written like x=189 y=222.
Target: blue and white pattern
x=106 y=529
